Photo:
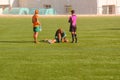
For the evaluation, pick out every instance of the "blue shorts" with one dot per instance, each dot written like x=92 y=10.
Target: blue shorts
x=37 y=29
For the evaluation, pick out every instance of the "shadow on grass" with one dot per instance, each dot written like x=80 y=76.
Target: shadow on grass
x=12 y=42
x=112 y=29
x=16 y=42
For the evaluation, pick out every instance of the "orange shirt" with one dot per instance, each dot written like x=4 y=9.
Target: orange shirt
x=35 y=20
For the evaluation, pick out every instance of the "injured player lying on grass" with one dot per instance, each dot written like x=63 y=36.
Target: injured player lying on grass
x=60 y=36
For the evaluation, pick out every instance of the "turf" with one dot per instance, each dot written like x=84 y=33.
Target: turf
x=96 y=56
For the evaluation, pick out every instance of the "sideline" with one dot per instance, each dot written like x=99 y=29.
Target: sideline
x=2 y=15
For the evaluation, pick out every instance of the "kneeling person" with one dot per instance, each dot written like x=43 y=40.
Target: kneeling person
x=60 y=36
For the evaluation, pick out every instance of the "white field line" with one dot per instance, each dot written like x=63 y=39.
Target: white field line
x=2 y=15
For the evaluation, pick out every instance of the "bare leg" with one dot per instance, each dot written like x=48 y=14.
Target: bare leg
x=51 y=41
x=35 y=37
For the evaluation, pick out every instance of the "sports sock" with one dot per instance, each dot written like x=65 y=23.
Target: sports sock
x=72 y=38
x=76 y=38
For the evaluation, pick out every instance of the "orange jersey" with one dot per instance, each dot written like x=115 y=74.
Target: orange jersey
x=35 y=20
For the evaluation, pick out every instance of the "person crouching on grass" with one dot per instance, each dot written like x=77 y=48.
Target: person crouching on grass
x=60 y=36
x=36 y=25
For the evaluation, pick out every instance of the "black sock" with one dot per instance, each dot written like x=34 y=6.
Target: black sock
x=76 y=38
x=72 y=37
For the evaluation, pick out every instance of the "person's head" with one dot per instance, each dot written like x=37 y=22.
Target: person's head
x=72 y=11
x=36 y=11
x=59 y=30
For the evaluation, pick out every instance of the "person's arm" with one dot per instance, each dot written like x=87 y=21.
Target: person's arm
x=59 y=37
x=70 y=19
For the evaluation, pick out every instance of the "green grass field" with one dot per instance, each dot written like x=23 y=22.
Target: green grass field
x=96 y=56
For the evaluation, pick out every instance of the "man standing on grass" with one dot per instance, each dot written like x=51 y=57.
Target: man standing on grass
x=36 y=26
x=72 y=20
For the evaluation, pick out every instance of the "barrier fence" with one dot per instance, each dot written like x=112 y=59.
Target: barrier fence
x=27 y=11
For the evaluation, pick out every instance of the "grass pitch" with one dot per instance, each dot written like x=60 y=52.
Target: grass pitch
x=96 y=56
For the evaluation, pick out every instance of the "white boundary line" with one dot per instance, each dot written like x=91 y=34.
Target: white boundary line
x=2 y=15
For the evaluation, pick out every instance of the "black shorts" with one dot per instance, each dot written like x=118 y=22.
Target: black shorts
x=73 y=29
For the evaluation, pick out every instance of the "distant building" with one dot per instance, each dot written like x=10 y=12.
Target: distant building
x=64 y=6
x=108 y=7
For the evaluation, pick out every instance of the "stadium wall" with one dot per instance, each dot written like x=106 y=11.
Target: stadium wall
x=64 y=6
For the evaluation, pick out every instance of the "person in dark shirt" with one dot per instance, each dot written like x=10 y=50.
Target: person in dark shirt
x=60 y=36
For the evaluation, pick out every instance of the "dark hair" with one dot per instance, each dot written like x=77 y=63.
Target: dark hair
x=72 y=11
